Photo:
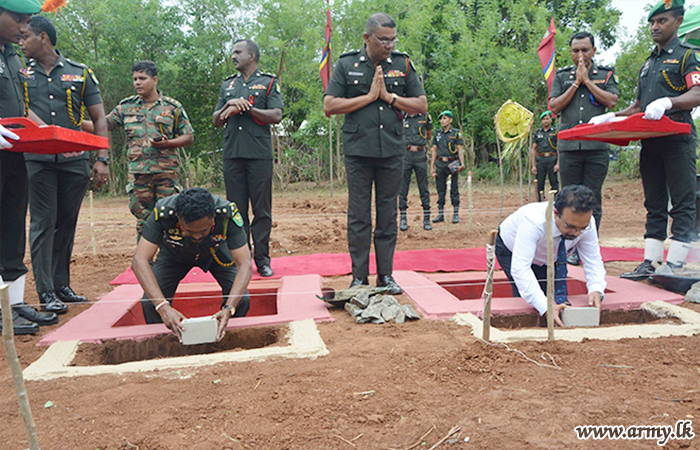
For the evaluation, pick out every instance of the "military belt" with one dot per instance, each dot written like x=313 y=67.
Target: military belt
x=546 y=154
x=415 y=148
x=447 y=158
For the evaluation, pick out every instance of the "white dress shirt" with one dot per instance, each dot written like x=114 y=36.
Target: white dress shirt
x=524 y=234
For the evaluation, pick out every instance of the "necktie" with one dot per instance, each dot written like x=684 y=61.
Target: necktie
x=560 y=272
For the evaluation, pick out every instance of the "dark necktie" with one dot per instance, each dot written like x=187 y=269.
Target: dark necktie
x=560 y=272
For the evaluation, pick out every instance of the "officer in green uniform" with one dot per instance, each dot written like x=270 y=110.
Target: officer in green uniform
x=448 y=148
x=543 y=156
x=374 y=87
x=14 y=17
x=156 y=127
x=580 y=92
x=669 y=84
x=417 y=133
x=56 y=89
x=248 y=104
x=193 y=229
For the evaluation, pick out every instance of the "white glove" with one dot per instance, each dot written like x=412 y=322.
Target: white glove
x=603 y=118
x=5 y=133
x=655 y=110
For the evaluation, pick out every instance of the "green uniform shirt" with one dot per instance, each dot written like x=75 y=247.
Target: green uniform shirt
x=11 y=90
x=583 y=106
x=670 y=73
x=162 y=229
x=243 y=137
x=415 y=129
x=142 y=122
x=375 y=130
x=447 y=142
x=48 y=97
x=546 y=140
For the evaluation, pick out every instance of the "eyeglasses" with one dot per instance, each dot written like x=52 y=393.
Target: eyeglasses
x=573 y=228
x=385 y=42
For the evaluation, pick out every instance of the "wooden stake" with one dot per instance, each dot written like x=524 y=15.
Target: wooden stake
x=469 y=197
x=92 y=226
x=331 y=153
x=8 y=338
x=550 y=268
x=488 y=288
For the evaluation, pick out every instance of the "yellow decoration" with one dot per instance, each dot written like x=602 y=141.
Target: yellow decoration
x=513 y=125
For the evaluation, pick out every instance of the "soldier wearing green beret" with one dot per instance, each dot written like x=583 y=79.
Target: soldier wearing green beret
x=580 y=92
x=447 y=152
x=543 y=155
x=156 y=127
x=669 y=85
x=56 y=90
x=374 y=87
x=14 y=17
x=193 y=229
x=417 y=133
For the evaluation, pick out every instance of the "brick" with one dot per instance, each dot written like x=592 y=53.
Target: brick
x=585 y=316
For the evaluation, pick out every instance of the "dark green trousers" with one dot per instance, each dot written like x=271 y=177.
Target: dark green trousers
x=385 y=174
x=415 y=162
x=545 y=168
x=442 y=173
x=13 y=213
x=589 y=168
x=56 y=191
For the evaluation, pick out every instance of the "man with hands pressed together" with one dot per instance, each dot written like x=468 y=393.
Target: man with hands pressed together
x=669 y=84
x=374 y=87
x=580 y=92
x=193 y=229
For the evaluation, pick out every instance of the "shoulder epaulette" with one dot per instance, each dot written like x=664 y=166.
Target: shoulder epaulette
x=76 y=64
x=231 y=77
x=606 y=68
x=395 y=53
x=350 y=53
x=268 y=74
x=565 y=69
x=129 y=99
x=172 y=101
x=228 y=209
x=165 y=208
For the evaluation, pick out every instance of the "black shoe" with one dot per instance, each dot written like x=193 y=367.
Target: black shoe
x=68 y=295
x=403 y=226
x=426 y=220
x=455 y=217
x=20 y=325
x=359 y=282
x=574 y=259
x=641 y=272
x=265 y=270
x=388 y=281
x=31 y=314
x=51 y=303
x=439 y=218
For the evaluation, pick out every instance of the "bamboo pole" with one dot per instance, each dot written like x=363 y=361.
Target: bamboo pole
x=488 y=287
x=469 y=198
x=550 y=268
x=520 y=174
x=92 y=226
x=500 y=169
x=8 y=338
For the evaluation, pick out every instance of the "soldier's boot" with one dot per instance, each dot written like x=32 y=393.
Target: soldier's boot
x=403 y=226
x=653 y=252
x=440 y=217
x=455 y=216
x=426 y=220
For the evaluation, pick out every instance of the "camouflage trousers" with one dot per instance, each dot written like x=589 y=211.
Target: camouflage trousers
x=145 y=189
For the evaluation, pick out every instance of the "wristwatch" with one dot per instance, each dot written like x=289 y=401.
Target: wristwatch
x=229 y=307
x=104 y=159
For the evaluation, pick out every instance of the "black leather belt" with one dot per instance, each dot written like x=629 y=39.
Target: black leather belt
x=546 y=154
x=447 y=158
x=415 y=148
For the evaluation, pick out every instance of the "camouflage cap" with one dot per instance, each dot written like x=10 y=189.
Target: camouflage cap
x=21 y=6
x=665 y=6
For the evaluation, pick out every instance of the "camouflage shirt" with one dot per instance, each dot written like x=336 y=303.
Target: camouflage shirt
x=143 y=122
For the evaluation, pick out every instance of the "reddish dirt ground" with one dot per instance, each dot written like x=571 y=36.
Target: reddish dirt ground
x=381 y=386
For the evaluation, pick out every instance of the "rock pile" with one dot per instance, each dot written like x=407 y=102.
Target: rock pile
x=368 y=305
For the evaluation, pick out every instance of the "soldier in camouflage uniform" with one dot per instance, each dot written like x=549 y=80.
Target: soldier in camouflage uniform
x=156 y=126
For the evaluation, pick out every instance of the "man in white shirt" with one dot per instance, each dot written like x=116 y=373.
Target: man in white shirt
x=521 y=247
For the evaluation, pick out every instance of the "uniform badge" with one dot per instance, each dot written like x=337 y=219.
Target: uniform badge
x=72 y=77
x=697 y=56
x=175 y=234
x=92 y=75
x=675 y=61
x=258 y=86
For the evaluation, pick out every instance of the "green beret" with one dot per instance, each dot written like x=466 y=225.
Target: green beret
x=21 y=6
x=665 y=6
x=446 y=112
x=546 y=113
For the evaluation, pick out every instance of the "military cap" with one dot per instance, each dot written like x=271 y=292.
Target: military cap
x=546 y=113
x=665 y=6
x=21 y=6
x=446 y=112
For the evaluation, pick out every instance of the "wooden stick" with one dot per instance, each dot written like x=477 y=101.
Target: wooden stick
x=92 y=227
x=419 y=441
x=447 y=436
x=488 y=287
x=330 y=150
x=345 y=440
x=8 y=338
x=469 y=197
x=550 y=268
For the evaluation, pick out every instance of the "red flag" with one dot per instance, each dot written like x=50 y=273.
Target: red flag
x=546 y=53
x=325 y=67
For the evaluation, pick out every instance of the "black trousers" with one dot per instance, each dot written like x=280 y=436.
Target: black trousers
x=56 y=191
x=589 y=168
x=545 y=168
x=668 y=168
x=169 y=272
x=250 y=181
x=13 y=213
x=505 y=256
x=442 y=172
x=415 y=162
x=385 y=174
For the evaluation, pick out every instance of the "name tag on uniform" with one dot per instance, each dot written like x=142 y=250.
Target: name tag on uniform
x=356 y=74
x=72 y=77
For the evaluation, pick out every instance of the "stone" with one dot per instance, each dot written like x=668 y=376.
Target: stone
x=410 y=313
x=362 y=299
x=693 y=294
x=389 y=313
x=353 y=309
x=373 y=313
x=400 y=316
x=583 y=316
x=199 y=330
